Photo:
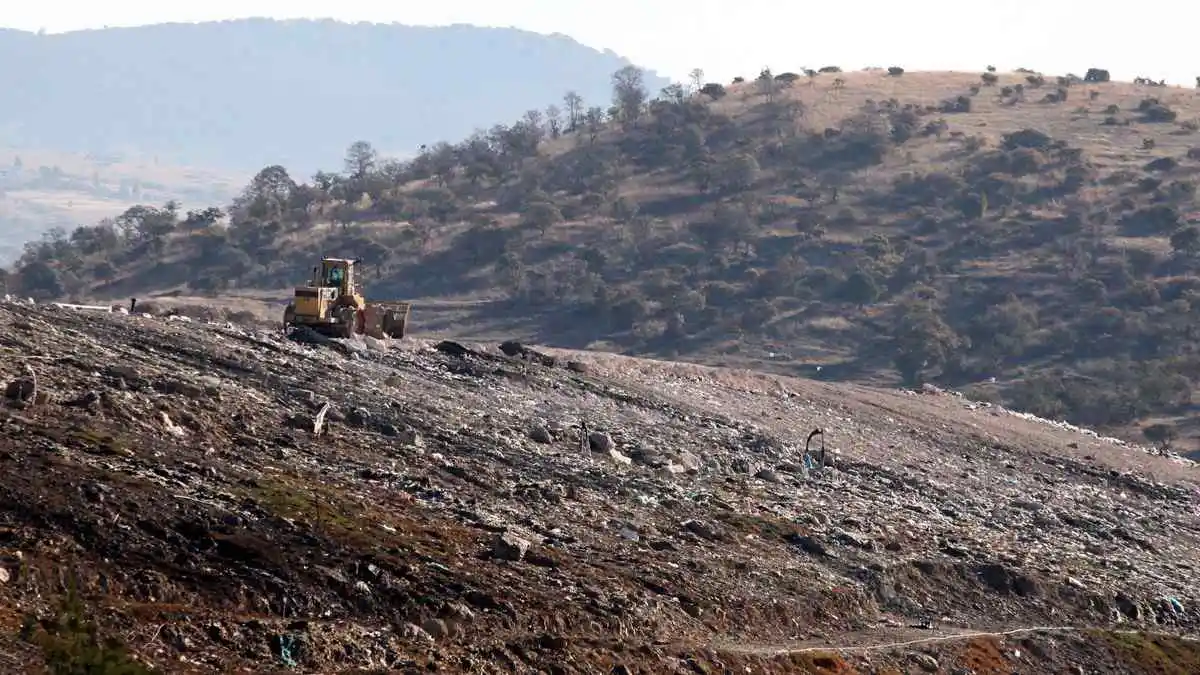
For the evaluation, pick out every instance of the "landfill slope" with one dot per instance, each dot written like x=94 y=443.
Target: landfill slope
x=225 y=498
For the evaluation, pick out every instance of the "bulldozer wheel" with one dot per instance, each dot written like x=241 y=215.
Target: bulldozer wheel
x=289 y=315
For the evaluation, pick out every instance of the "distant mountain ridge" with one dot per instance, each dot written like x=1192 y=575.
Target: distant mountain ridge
x=251 y=92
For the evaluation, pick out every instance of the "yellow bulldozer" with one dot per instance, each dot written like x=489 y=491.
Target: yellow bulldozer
x=332 y=305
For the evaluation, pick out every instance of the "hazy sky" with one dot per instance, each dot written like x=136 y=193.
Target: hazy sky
x=739 y=37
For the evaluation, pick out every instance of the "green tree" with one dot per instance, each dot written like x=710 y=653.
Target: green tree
x=921 y=343
x=629 y=92
x=541 y=216
x=737 y=172
x=1186 y=240
x=861 y=288
x=1161 y=435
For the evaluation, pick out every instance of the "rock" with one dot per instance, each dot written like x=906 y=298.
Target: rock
x=619 y=458
x=508 y=546
x=702 y=530
x=410 y=436
x=577 y=367
x=21 y=389
x=435 y=628
x=540 y=434
x=811 y=545
x=744 y=465
x=689 y=462
x=1006 y=580
x=411 y=631
x=599 y=441
x=854 y=539
x=1127 y=606
x=767 y=475
x=358 y=417
x=648 y=456
x=4 y=575
x=925 y=661
x=177 y=387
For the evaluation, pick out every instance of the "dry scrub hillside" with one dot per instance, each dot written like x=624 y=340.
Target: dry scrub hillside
x=213 y=498
x=1027 y=237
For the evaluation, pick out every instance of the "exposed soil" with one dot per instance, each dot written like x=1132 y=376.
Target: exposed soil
x=452 y=514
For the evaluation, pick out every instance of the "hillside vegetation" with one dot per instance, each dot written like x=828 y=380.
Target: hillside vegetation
x=1023 y=236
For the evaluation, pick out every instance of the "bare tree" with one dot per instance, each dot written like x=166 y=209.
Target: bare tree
x=697 y=78
x=766 y=84
x=554 y=121
x=574 y=103
x=360 y=159
x=533 y=122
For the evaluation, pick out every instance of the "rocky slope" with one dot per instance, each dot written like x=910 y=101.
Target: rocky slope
x=225 y=498
x=1032 y=237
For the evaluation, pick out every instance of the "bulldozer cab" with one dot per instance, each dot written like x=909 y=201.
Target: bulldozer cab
x=337 y=273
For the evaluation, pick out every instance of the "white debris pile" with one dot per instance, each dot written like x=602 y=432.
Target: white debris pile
x=995 y=409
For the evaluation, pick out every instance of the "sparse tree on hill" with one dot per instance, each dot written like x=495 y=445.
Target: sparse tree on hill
x=766 y=83
x=267 y=195
x=738 y=172
x=554 y=121
x=534 y=127
x=629 y=92
x=922 y=342
x=360 y=159
x=860 y=288
x=673 y=93
x=541 y=215
x=697 y=79
x=594 y=119
x=574 y=103
x=1186 y=241
x=203 y=219
x=1161 y=435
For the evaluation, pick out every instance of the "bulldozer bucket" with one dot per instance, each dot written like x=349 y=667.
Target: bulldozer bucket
x=387 y=319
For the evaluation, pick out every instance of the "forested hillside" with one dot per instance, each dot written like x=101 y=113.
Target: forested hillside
x=1026 y=237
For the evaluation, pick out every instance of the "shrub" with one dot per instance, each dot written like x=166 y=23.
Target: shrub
x=959 y=104
x=989 y=78
x=830 y=69
x=1027 y=138
x=71 y=643
x=895 y=71
x=1162 y=164
x=713 y=90
x=1158 y=113
x=1096 y=75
